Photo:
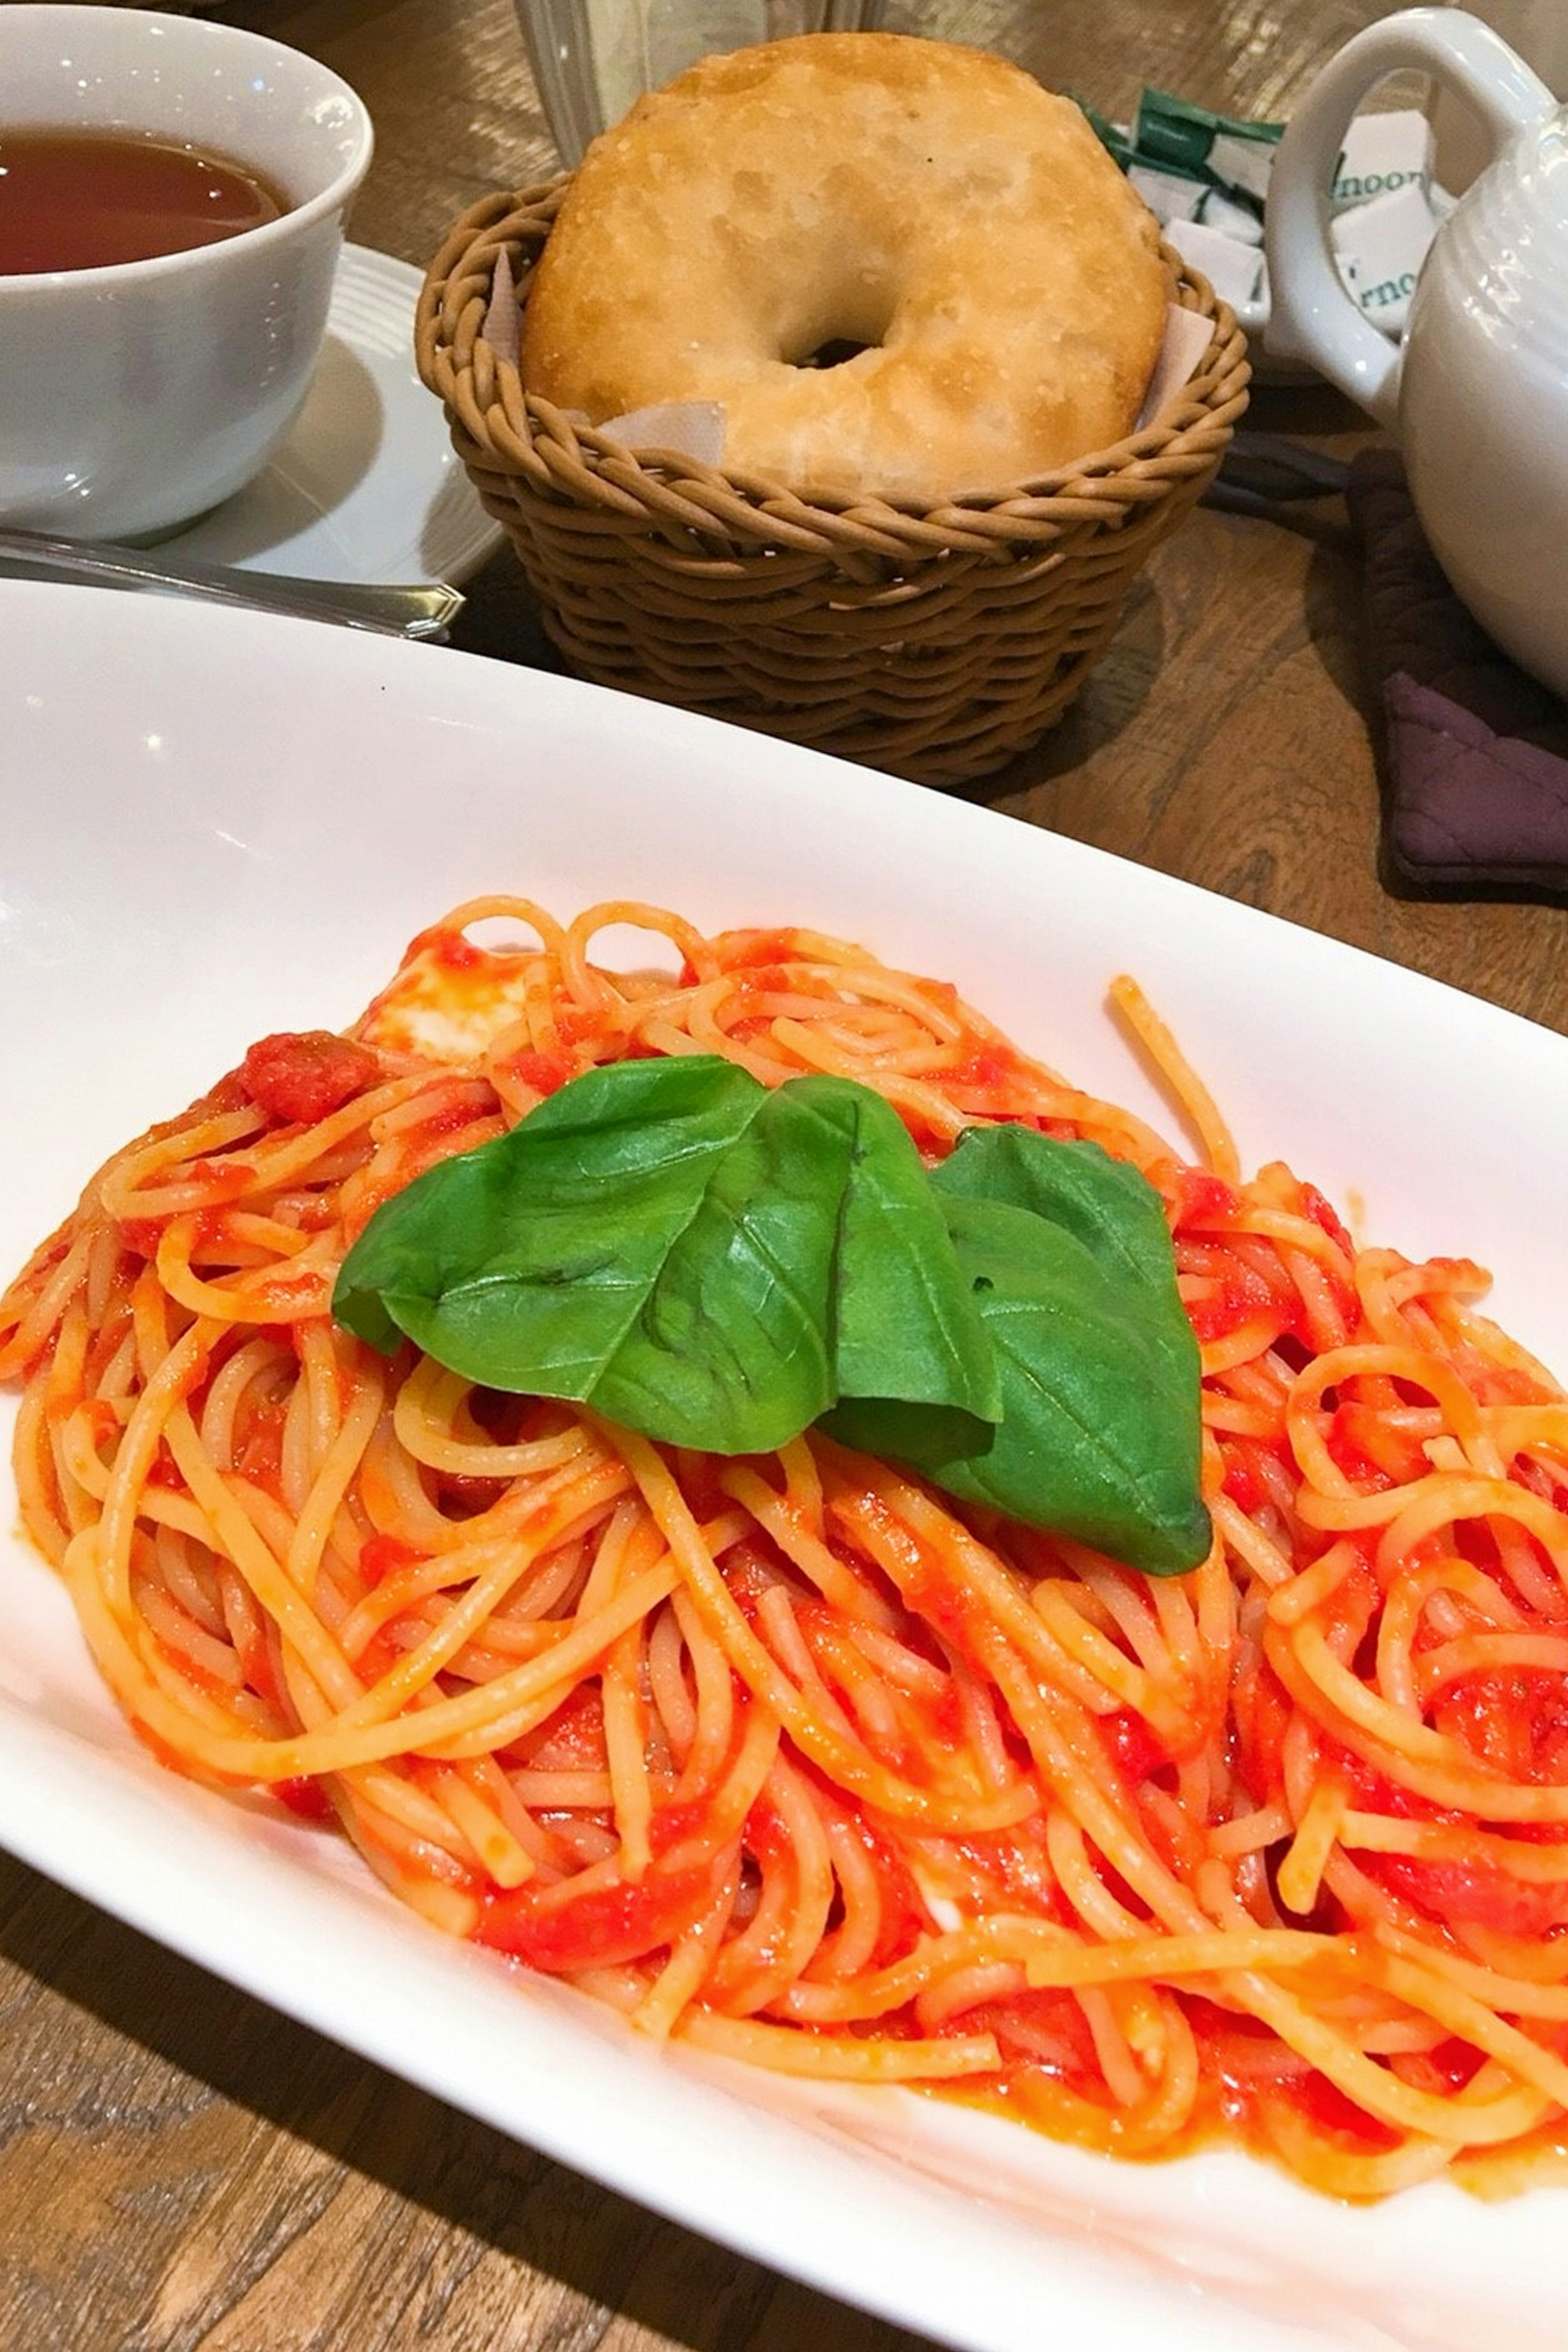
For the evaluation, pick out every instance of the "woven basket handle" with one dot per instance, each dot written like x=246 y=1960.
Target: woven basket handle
x=1311 y=317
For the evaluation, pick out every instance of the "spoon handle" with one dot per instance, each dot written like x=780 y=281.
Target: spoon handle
x=419 y=612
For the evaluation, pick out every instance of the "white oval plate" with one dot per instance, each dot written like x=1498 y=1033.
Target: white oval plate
x=367 y=485
x=225 y=825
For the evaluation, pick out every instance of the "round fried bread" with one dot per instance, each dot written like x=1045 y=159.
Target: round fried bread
x=903 y=269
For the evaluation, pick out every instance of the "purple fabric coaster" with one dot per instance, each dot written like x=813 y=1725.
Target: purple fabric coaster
x=1474 y=752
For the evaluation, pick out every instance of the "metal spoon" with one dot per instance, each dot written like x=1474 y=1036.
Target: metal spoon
x=424 y=612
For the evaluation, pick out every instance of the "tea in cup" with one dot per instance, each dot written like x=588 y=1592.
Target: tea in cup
x=173 y=206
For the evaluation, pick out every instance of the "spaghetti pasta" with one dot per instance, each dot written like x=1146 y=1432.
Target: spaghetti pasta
x=790 y=1757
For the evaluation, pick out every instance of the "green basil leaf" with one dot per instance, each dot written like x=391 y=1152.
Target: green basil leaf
x=1098 y=1438
x=703 y=1259
x=1105 y=1203
x=905 y=1325
x=1120 y=1218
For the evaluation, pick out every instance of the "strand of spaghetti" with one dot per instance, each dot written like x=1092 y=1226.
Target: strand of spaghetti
x=1181 y=1080
x=491 y=1717
x=263 y=1297
x=1510 y=1996
x=1248 y=1833
x=789 y=1650
x=1084 y=1792
x=264 y=1167
x=1119 y=2069
x=1354 y=1703
x=425 y=1410
x=693 y=1027
x=1532 y=1865
x=1374 y=2089
x=1475 y=2021
x=1526 y=1428
x=1496 y=1501
x=495 y=1846
x=1324 y=1316
x=1166 y=2112
x=232 y=1532
x=1310 y=1590
x=37 y=1319
x=1433 y=1502
x=916 y=1099
x=801 y=1541
x=850 y=1946
x=180 y=1369
x=626 y=1748
x=118 y=1188
x=1296 y=1237
x=1040 y=1714
x=1127 y=1684
x=500 y=1566
x=1320 y=1829
x=1082 y=1886
x=1489 y=1653
x=250 y=1371
x=735 y=1792
x=878 y=1992
x=1337 y=1366
x=923 y=1000
x=580 y=976
x=1242 y=1346
x=1337 y=2172
x=760 y=1961
x=852 y=1766
x=1404 y=1605
x=314 y=1521
x=832 y=2058
x=1213 y=1952
x=80 y=1474
x=1250 y=1543
x=840 y=1665
x=692 y=1956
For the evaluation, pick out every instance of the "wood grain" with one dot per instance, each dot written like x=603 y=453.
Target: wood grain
x=181 y=2170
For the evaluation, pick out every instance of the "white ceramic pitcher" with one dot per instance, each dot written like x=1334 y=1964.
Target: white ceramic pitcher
x=1478 y=395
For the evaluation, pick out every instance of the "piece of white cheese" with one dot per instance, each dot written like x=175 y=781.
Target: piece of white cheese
x=448 y=1000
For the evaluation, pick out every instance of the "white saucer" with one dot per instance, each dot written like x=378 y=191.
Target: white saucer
x=367 y=485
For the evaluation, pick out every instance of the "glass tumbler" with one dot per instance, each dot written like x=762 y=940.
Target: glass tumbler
x=591 y=59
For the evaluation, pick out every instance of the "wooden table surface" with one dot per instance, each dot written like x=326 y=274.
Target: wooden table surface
x=179 y=2166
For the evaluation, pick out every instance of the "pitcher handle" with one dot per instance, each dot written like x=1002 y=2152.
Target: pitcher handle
x=1311 y=316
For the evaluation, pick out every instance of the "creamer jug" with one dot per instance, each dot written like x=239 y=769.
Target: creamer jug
x=1478 y=393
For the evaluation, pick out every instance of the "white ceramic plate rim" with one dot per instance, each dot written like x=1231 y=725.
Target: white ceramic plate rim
x=230 y=823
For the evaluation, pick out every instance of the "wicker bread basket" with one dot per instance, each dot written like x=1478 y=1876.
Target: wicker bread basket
x=935 y=644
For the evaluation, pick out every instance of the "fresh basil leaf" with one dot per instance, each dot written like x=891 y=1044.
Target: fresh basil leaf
x=1108 y=1206
x=1113 y=1210
x=703 y=1259
x=904 y=1323
x=571 y=1212
x=1100 y=1433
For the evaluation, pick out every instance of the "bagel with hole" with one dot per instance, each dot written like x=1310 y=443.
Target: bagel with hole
x=902 y=268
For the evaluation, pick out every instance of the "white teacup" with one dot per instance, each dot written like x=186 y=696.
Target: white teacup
x=134 y=397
